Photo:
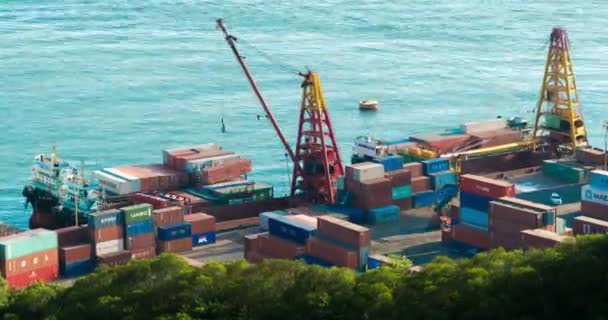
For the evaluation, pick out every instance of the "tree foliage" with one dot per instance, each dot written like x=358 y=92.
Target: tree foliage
x=570 y=281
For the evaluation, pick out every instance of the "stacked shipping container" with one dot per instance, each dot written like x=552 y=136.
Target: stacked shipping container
x=175 y=237
x=202 y=228
x=139 y=232
x=75 y=252
x=594 y=196
x=106 y=232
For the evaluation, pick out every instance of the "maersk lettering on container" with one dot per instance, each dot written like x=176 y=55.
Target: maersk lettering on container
x=598 y=179
x=591 y=194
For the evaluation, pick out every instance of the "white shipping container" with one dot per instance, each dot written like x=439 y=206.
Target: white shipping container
x=596 y=195
x=112 y=184
x=494 y=124
x=133 y=183
x=368 y=171
x=108 y=247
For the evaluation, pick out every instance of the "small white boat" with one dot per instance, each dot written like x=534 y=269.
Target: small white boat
x=368 y=105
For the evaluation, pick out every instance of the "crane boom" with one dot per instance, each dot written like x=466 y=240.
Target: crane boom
x=231 y=40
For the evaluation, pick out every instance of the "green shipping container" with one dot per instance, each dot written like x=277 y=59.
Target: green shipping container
x=402 y=192
x=26 y=243
x=340 y=184
x=137 y=213
x=552 y=121
x=563 y=172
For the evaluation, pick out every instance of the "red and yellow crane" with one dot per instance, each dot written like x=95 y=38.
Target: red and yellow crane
x=316 y=161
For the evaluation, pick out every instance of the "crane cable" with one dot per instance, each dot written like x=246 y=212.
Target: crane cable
x=284 y=66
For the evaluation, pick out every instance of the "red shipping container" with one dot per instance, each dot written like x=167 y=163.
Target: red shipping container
x=228 y=171
x=588 y=225
x=539 y=207
x=415 y=169
x=332 y=253
x=238 y=223
x=24 y=279
x=280 y=248
x=506 y=213
x=188 y=201
x=144 y=240
x=509 y=241
x=373 y=193
x=539 y=238
x=200 y=222
x=179 y=245
x=403 y=204
x=75 y=253
x=255 y=256
x=106 y=233
x=252 y=241
x=399 y=177
x=72 y=236
x=29 y=262
x=144 y=253
x=352 y=234
x=168 y=216
x=486 y=187
x=116 y=258
x=156 y=202
x=420 y=184
x=470 y=235
x=594 y=210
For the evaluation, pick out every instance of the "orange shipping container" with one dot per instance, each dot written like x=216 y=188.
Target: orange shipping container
x=420 y=184
x=228 y=171
x=29 y=262
x=167 y=216
x=470 y=235
x=349 y=233
x=179 y=245
x=280 y=248
x=200 y=222
x=106 y=233
x=332 y=253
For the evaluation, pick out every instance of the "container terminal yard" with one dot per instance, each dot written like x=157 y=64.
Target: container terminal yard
x=502 y=182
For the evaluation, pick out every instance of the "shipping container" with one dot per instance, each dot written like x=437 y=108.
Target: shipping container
x=399 y=177
x=106 y=233
x=264 y=216
x=390 y=213
x=415 y=168
x=156 y=201
x=137 y=228
x=200 y=222
x=421 y=184
x=305 y=219
x=168 y=216
x=203 y=238
x=588 y=225
x=295 y=231
x=372 y=193
x=594 y=210
x=520 y=216
x=177 y=245
x=175 y=231
x=72 y=236
x=26 y=243
x=169 y=154
x=349 y=234
x=509 y=241
x=137 y=213
x=402 y=192
x=152 y=177
x=471 y=236
x=24 y=279
x=340 y=183
x=365 y=171
x=308 y=259
x=252 y=241
x=390 y=163
x=114 y=184
x=486 y=186
x=475 y=218
x=503 y=162
x=105 y=218
x=539 y=238
x=376 y=261
x=475 y=201
x=28 y=263
x=144 y=253
x=590 y=156
x=332 y=253
x=598 y=179
x=77 y=268
x=276 y=247
x=114 y=258
x=596 y=195
x=229 y=170
x=75 y=253
x=443 y=178
x=424 y=199
x=207 y=160
x=140 y=241
x=403 y=204
x=435 y=165
x=108 y=247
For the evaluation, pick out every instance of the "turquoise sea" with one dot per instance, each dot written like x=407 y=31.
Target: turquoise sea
x=115 y=82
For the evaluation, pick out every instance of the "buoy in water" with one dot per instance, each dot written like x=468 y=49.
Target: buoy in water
x=368 y=105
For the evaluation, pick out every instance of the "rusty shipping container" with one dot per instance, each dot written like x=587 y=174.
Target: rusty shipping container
x=588 y=225
x=470 y=235
x=168 y=216
x=403 y=204
x=29 y=263
x=509 y=241
x=415 y=169
x=280 y=248
x=24 y=279
x=72 y=236
x=486 y=187
x=178 y=245
x=594 y=210
x=399 y=177
x=252 y=241
x=373 y=194
x=420 y=184
x=228 y=171
x=515 y=215
x=539 y=238
x=115 y=258
x=332 y=253
x=75 y=253
x=106 y=233
x=144 y=253
x=352 y=235
x=143 y=240
x=200 y=222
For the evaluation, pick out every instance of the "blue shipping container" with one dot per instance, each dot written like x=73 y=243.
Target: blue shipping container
x=314 y=260
x=598 y=179
x=474 y=217
x=202 y=239
x=290 y=230
x=390 y=163
x=373 y=263
x=424 y=199
x=174 y=231
x=105 y=218
x=435 y=165
x=141 y=227
x=475 y=201
x=384 y=214
x=77 y=268
x=440 y=179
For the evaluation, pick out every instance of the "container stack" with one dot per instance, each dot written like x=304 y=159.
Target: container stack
x=189 y=202
x=139 y=231
x=540 y=238
x=286 y=239
x=444 y=142
x=167 y=216
x=125 y=180
x=202 y=228
x=28 y=257
x=75 y=252
x=106 y=232
x=401 y=188
x=587 y=225
x=508 y=217
x=175 y=238
x=594 y=196
x=437 y=174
